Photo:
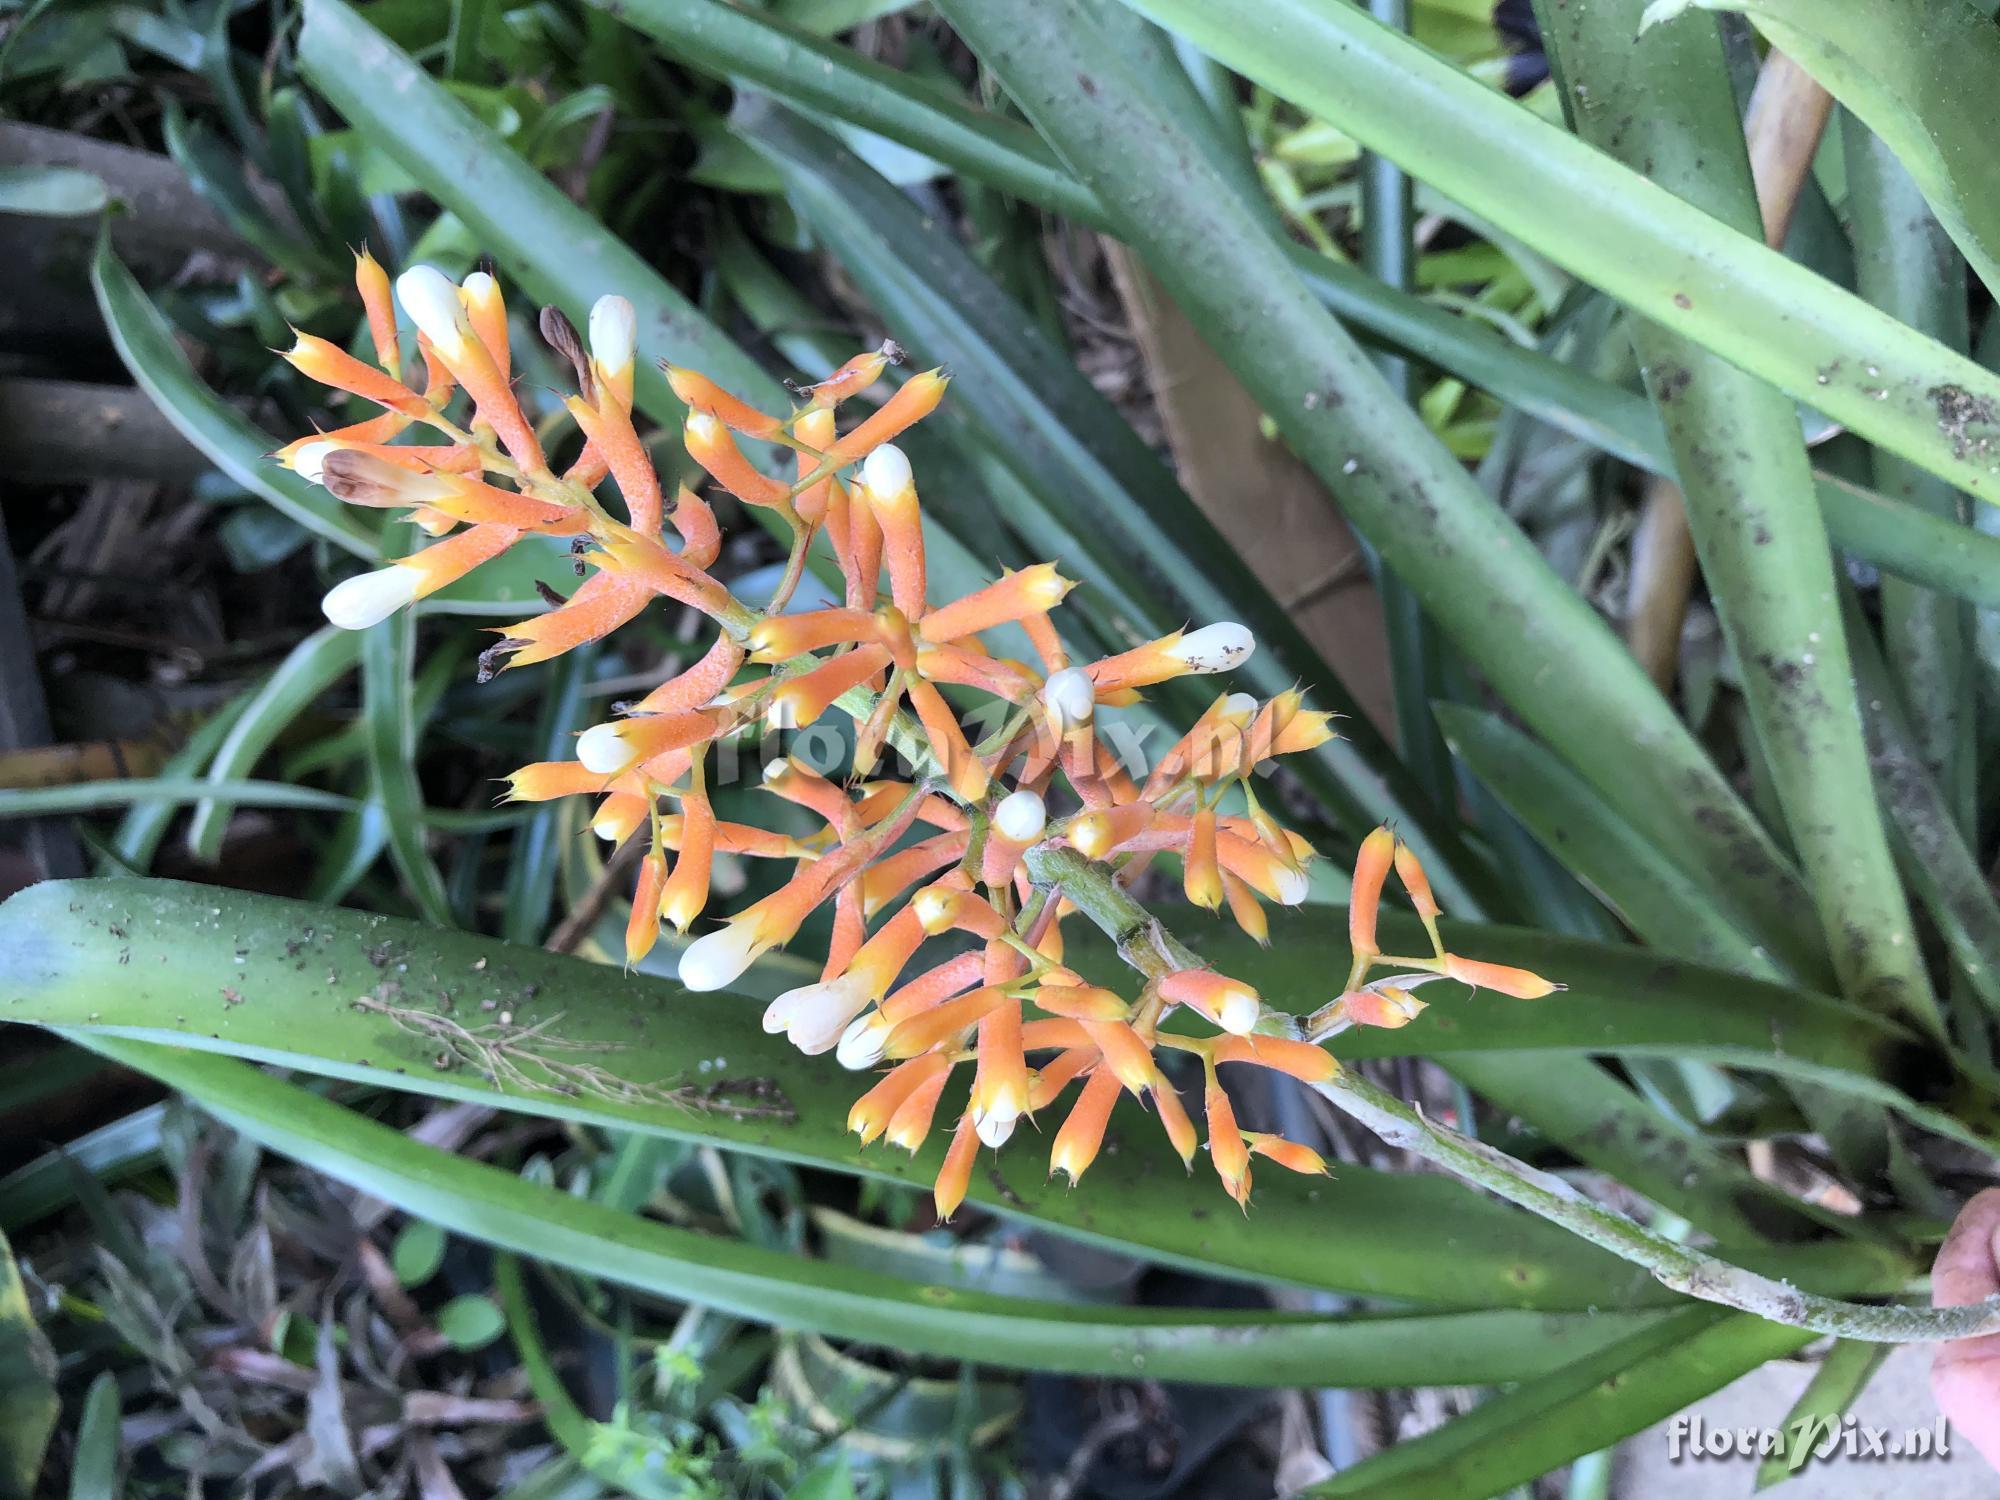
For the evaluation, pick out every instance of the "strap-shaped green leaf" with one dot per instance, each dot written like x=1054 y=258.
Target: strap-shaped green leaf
x=1920 y=74
x=1540 y=1425
x=401 y=1005
x=1221 y=1347
x=1655 y=253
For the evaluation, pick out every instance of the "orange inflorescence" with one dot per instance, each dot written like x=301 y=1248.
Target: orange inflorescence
x=940 y=855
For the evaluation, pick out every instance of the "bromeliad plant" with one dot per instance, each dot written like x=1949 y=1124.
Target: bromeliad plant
x=1035 y=821
x=1723 y=861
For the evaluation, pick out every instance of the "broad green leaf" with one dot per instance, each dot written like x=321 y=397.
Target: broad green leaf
x=1511 y=1438
x=1920 y=74
x=1540 y=645
x=1104 y=498
x=28 y=1405
x=508 y=1211
x=385 y=1001
x=1749 y=500
x=828 y=80
x=308 y=670
x=51 y=192
x=145 y=342
x=1660 y=256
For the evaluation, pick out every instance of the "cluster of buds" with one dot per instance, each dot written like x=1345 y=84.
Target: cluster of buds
x=943 y=853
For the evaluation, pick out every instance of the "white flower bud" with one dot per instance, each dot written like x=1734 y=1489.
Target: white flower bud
x=815 y=1015
x=603 y=748
x=1021 y=817
x=1071 y=698
x=478 y=287
x=1214 y=648
x=432 y=302
x=717 y=958
x=863 y=1043
x=1292 y=886
x=885 y=473
x=1239 y=1012
x=614 y=333
x=370 y=598
x=309 y=462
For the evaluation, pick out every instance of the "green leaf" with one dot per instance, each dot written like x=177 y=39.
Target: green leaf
x=95 y=1475
x=1920 y=74
x=51 y=192
x=145 y=341
x=388 y=668
x=835 y=82
x=1513 y=1437
x=143 y=828
x=1660 y=256
x=1904 y=264
x=1235 y=1347
x=470 y=1322
x=89 y=796
x=418 y=1252
x=28 y=1405
x=308 y=670
x=1104 y=499
x=38 y=1188
x=1749 y=501
x=1843 y=1372
x=361 y=996
x=1595 y=843
x=1540 y=645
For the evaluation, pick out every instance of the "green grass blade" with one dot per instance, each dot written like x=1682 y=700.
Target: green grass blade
x=142 y=830
x=388 y=667
x=1843 y=1372
x=1920 y=74
x=92 y=796
x=319 y=1007
x=95 y=1475
x=533 y=859
x=825 y=78
x=27 y=1384
x=310 y=669
x=145 y=342
x=1750 y=504
x=1512 y=1438
x=1128 y=522
x=1539 y=644
x=487 y=1203
x=1660 y=256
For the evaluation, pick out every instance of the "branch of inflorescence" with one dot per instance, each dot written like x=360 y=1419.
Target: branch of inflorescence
x=1145 y=943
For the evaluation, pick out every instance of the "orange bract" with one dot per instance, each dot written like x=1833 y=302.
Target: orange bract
x=1035 y=774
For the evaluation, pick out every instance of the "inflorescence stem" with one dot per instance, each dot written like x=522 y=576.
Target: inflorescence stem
x=1143 y=942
